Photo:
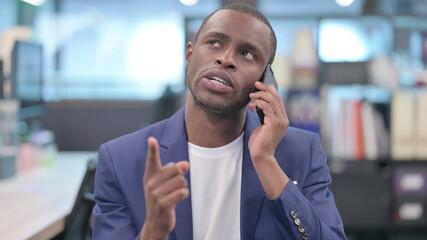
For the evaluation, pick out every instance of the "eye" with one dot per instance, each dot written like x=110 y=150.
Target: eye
x=214 y=43
x=248 y=54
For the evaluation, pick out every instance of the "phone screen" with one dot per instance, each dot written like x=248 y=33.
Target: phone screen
x=267 y=77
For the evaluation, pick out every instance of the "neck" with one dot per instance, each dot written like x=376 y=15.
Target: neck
x=206 y=128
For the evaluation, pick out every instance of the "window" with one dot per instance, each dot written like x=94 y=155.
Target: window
x=354 y=40
x=114 y=49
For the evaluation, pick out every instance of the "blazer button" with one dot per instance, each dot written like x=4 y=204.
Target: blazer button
x=294 y=214
x=297 y=221
x=305 y=235
x=301 y=228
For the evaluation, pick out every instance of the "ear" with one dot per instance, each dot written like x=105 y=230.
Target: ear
x=188 y=54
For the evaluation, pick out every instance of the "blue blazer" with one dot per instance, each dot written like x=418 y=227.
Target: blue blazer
x=305 y=209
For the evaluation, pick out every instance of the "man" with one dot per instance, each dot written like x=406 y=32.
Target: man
x=247 y=180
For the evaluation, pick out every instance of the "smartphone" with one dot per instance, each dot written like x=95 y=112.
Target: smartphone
x=267 y=77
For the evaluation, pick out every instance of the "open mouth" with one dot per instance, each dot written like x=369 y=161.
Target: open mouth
x=218 y=81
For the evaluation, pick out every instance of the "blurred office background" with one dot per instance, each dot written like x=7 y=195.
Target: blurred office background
x=354 y=71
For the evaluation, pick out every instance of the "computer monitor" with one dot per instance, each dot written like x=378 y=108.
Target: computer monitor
x=26 y=77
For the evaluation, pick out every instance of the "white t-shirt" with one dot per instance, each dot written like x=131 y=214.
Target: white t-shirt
x=215 y=178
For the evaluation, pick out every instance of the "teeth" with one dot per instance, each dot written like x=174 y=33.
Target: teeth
x=218 y=81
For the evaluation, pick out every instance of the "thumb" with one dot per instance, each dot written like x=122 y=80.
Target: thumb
x=152 y=163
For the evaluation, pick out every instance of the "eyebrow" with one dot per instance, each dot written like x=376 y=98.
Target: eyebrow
x=249 y=46
x=219 y=35
x=224 y=36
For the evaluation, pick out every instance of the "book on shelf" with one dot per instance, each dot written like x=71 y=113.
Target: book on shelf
x=403 y=125
x=369 y=133
x=421 y=125
x=335 y=126
x=352 y=134
x=353 y=129
x=359 y=148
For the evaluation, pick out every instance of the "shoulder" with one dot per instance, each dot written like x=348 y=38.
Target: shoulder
x=133 y=147
x=136 y=141
x=124 y=157
x=155 y=130
x=170 y=128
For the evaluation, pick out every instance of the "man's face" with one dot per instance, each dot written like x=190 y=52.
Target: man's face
x=229 y=56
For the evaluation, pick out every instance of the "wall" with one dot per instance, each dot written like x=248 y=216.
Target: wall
x=85 y=125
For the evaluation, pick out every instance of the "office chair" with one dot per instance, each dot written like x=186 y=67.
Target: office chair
x=77 y=225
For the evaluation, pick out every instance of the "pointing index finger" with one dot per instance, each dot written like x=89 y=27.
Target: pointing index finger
x=153 y=163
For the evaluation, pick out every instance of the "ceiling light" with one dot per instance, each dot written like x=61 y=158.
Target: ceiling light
x=344 y=3
x=35 y=2
x=189 y=2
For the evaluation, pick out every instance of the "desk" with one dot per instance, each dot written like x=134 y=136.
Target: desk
x=34 y=203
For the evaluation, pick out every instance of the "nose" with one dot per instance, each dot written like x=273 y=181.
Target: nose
x=226 y=59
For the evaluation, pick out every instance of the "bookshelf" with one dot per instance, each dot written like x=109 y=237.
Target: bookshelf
x=371 y=115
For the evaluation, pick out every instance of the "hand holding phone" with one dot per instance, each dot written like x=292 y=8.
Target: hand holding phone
x=268 y=78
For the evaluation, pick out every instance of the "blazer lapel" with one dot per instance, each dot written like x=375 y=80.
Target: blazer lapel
x=174 y=148
x=252 y=192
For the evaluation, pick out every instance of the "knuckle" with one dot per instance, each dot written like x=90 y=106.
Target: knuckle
x=184 y=193
x=150 y=186
x=155 y=195
x=173 y=168
x=162 y=203
x=182 y=182
x=185 y=181
x=168 y=166
x=177 y=169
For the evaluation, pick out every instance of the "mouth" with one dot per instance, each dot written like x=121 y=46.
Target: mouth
x=219 y=78
x=219 y=81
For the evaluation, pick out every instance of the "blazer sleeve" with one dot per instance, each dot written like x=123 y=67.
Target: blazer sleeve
x=309 y=213
x=111 y=215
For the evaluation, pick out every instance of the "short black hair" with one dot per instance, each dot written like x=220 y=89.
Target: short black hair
x=253 y=12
